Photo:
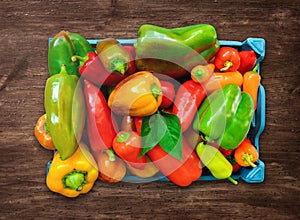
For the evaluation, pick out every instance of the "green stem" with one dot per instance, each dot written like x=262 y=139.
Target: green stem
x=255 y=68
x=156 y=91
x=199 y=73
x=111 y=155
x=82 y=60
x=119 y=65
x=75 y=180
x=248 y=159
x=123 y=137
x=227 y=65
x=63 y=69
x=46 y=127
x=232 y=180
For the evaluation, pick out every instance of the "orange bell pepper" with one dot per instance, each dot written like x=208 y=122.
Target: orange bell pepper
x=138 y=95
x=42 y=134
x=246 y=154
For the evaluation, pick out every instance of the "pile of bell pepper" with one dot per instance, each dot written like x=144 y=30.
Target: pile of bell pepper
x=174 y=103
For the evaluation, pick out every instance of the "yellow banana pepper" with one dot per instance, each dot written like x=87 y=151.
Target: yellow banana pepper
x=73 y=176
x=137 y=95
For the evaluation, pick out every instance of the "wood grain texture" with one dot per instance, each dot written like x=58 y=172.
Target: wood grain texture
x=24 y=29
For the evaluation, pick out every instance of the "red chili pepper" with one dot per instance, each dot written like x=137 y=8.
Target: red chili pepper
x=138 y=124
x=247 y=61
x=225 y=152
x=188 y=98
x=246 y=154
x=227 y=59
x=168 y=92
x=181 y=173
x=131 y=51
x=128 y=145
x=92 y=69
x=235 y=166
x=102 y=127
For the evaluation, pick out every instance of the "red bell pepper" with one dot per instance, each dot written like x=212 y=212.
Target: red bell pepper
x=168 y=92
x=181 y=173
x=188 y=98
x=247 y=61
x=92 y=69
x=235 y=166
x=102 y=127
x=128 y=145
x=227 y=59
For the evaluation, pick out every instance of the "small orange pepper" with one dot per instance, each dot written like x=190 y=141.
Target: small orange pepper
x=246 y=154
x=218 y=80
x=111 y=168
x=42 y=134
x=202 y=73
x=251 y=84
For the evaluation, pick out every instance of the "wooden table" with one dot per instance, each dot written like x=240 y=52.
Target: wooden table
x=25 y=28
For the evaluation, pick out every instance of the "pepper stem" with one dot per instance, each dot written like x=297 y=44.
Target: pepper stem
x=82 y=60
x=119 y=65
x=122 y=137
x=46 y=127
x=199 y=74
x=63 y=69
x=255 y=68
x=111 y=155
x=227 y=65
x=248 y=159
x=156 y=91
x=75 y=180
x=232 y=180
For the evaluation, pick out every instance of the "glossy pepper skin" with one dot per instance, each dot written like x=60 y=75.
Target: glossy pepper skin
x=73 y=176
x=187 y=100
x=215 y=161
x=247 y=61
x=60 y=51
x=181 y=173
x=111 y=168
x=41 y=133
x=173 y=51
x=113 y=56
x=101 y=124
x=246 y=154
x=128 y=145
x=225 y=116
x=65 y=110
x=227 y=59
x=138 y=95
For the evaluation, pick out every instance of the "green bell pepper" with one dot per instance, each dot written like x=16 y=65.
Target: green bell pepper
x=61 y=49
x=174 y=51
x=225 y=116
x=65 y=109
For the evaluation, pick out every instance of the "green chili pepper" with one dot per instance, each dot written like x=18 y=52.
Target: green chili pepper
x=225 y=116
x=215 y=161
x=174 y=51
x=65 y=109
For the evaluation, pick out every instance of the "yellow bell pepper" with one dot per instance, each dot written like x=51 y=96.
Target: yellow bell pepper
x=137 y=95
x=73 y=176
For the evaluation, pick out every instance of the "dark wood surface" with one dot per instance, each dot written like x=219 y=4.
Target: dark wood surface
x=24 y=29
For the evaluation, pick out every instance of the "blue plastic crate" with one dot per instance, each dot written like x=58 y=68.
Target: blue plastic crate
x=248 y=174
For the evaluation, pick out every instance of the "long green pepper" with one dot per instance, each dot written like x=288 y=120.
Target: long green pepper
x=65 y=110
